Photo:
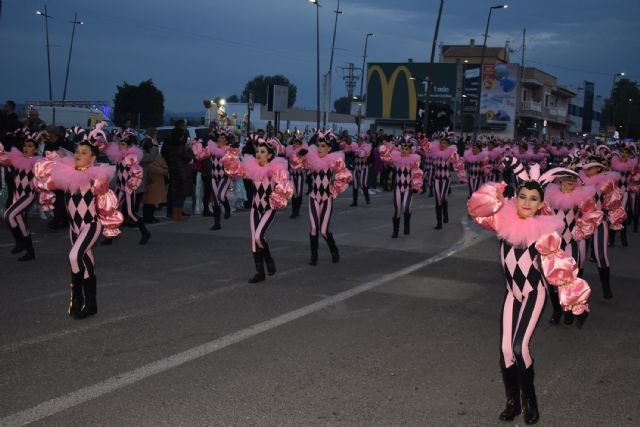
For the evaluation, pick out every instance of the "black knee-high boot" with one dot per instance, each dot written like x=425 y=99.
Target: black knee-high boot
x=623 y=237
x=298 y=205
x=227 y=209
x=557 y=308
x=355 y=197
x=20 y=242
x=216 y=218
x=529 y=400
x=268 y=260
x=365 y=190
x=407 y=223
x=258 y=260
x=430 y=190
x=28 y=245
x=445 y=212
x=147 y=213
x=145 y=233
x=313 y=243
x=76 y=299
x=612 y=238
x=333 y=248
x=396 y=227
x=635 y=221
x=90 y=306
x=604 y=273
x=438 y=217
x=512 y=391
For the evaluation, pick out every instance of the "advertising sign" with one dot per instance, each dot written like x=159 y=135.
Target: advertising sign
x=498 y=99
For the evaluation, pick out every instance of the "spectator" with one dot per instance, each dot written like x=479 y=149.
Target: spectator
x=35 y=123
x=178 y=155
x=8 y=121
x=155 y=173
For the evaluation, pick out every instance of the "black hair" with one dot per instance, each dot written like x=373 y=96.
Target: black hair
x=532 y=185
x=35 y=142
x=12 y=104
x=94 y=147
x=269 y=148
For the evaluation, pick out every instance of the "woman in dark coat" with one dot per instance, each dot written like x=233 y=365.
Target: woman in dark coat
x=179 y=155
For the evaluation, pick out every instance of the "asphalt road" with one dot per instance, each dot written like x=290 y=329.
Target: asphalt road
x=400 y=332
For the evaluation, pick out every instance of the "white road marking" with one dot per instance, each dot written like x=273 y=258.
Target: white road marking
x=117 y=382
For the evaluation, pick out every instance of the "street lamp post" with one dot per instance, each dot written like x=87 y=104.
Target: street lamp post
x=315 y=2
x=613 y=110
x=362 y=77
x=425 y=115
x=73 y=32
x=46 y=30
x=626 y=125
x=327 y=103
x=484 y=49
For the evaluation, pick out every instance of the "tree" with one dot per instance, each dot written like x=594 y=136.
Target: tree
x=233 y=98
x=144 y=99
x=342 y=105
x=259 y=85
x=624 y=108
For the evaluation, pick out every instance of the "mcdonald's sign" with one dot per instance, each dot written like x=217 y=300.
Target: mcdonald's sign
x=394 y=89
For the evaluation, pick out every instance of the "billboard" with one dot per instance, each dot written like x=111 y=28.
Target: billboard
x=498 y=99
x=395 y=90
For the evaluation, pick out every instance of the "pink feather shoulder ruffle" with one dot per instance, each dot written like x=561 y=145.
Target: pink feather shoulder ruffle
x=556 y=199
x=20 y=161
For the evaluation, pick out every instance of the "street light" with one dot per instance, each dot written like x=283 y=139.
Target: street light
x=613 y=110
x=73 y=31
x=626 y=125
x=46 y=30
x=362 y=77
x=327 y=101
x=484 y=48
x=315 y=2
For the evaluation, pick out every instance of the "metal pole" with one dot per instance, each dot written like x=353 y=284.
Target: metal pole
x=362 y=77
x=328 y=92
x=73 y=31
x=613 y=110
x=626 y=125
x=425 y=120
x=46 y=29
x=484 y=49
x=317 y=64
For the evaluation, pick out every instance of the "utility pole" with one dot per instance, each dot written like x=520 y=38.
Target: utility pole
x=46 y=30
x=73 y=32
x=349 y=76
x=327 y=101
x=425 y=120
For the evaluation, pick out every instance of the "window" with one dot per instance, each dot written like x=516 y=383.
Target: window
x=547 y=98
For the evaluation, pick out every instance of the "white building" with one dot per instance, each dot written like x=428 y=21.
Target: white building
x=585 y=110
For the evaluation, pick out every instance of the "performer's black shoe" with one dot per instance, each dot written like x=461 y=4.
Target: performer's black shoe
x=604 y=280
x=529 y=400
x=227 y=209
x=90 y=306
x=510 y=379
x=259 y=263
x=445 y=212
x=144 y=238
x=568 y=318
x=31 y=254
x=76 y=299
x=366 y=195
x=623 y=237
x=313 y=243
x=268 y=260
x=407 y=223
x=557 y=308
x=333 y=248
x=438 y=217
x=20 y=241
x=396 y=228
x=216 y=218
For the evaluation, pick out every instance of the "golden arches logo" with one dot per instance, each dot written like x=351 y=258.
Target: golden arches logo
x=388 y=86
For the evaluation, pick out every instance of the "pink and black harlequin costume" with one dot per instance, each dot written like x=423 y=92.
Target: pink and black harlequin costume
x=495 y=155
x=441 y=161
x=408 y=181
x=531 y=257
x=272 y=192
x=329 y=177
x=361 y=151
x=608 y=199
x=477 y=167
x=23 y=196
x=92 y=209
x=580 y=219
x=627 y=167
x=220 y=180
x=298 y=176
x=129 y=176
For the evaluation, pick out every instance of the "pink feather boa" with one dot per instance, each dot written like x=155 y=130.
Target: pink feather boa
x=437 y=153
x=473 y=158
x=64 y=175
x=494 y=154
x=315 y=163
x=255 y=172
x=20 y=161
x=556 y=199
x=620 y=166
x=215 y=151
x=400 y=161
x=116 y=154
x=523 y=232
x=600 y=179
